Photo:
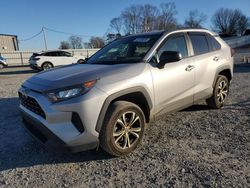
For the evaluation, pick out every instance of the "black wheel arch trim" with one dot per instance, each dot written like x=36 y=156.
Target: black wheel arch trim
x=118 y=94
x=220 y=69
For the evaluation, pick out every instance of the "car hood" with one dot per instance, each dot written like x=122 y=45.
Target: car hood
x=75 y=74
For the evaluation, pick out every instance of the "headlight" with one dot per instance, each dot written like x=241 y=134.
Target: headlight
x=62 y=94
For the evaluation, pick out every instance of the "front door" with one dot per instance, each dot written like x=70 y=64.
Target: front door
x=173 y=84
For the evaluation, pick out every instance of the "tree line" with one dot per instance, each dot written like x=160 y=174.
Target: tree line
x=144 y=18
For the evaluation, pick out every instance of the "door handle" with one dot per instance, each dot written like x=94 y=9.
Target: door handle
x=216 y=58
x=189 y=67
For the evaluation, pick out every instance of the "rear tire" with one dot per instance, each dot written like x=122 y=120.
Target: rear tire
x=220 y=93
x=80 y=61
x=47 y=66
x=1 y=66
x=123 y=128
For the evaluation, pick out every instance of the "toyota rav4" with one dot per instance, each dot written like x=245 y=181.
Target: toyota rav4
x=108 y=100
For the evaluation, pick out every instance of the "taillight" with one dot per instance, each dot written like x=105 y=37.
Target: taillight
x=232 y=52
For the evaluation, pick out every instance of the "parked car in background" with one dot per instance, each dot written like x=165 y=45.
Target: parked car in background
x=3 y=62
x=49 y=59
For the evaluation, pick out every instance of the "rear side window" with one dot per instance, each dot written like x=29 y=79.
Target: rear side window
x=200 y=44
x=214 y=44
x=51 y=54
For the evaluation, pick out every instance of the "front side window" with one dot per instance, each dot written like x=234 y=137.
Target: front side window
x=177 y=44
x=129 y=49
x=200 y=44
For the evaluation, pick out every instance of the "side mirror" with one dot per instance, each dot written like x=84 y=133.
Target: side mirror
x=169 y=56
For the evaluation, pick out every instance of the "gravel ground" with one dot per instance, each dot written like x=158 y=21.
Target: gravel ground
x=196 y=147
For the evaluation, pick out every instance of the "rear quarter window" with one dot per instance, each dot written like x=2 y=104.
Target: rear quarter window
x=214 y=44
x=199 y=43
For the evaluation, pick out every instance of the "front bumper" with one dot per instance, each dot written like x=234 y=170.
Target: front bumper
x=48 y=138
x=55 y=127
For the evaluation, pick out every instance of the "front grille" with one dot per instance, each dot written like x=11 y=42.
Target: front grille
x=31 y=104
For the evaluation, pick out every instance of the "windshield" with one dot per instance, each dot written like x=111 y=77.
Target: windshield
x=129 y=49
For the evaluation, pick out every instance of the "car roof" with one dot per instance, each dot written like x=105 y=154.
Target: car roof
x=54 y=51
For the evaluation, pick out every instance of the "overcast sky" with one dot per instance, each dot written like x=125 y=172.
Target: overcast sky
x=25 y=18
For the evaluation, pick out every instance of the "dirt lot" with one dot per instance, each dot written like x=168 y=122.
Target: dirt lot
x=196 y=147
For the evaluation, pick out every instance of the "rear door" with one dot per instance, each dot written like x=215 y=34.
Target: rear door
x=205 y=55
x=53 y=57
x=64 y=58
x=69 y=58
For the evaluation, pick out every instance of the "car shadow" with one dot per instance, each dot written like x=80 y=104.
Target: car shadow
x=197 y=107
x=11 y=71
x=18 y=149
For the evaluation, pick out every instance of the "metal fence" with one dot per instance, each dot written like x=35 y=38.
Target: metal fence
x=235 y=42
x=22 y=57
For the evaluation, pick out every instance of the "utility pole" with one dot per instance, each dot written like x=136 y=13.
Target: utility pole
x=45 y=40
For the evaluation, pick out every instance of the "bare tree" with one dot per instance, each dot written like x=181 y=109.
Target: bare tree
x=195 y=19
x=144 y=18
x=75 y=42
x=229 y=21
x=111 y=36
x=132 y=19
x=64 y=45
x=167 y=19
x=96 y=42
x=243 y=25
x=149 y=14
x=116 y=24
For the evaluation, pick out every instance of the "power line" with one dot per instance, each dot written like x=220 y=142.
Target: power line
x=42 y=31
x=22 y=40
x=66 y=33
x=53 y=30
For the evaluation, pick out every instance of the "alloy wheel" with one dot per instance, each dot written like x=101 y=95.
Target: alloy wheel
x=222 y=91
x=47 y=66
x=127 y=130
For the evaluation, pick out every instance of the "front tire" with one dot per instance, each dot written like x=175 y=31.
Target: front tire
x=123 y=128
x=220 y=93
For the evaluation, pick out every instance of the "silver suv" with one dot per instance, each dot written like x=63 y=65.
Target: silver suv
x=128 y=83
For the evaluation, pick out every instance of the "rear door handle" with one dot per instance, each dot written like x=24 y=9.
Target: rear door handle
x=189 y=67
x=216 y=58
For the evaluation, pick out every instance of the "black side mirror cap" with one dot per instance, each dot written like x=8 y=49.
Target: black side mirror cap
x=169 y=56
